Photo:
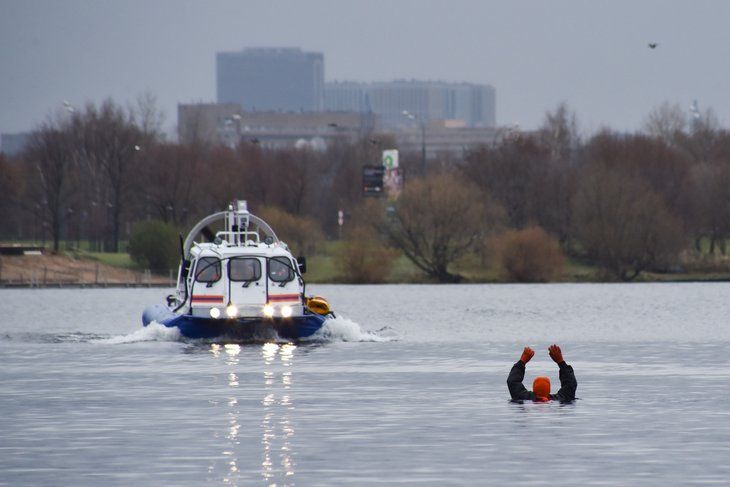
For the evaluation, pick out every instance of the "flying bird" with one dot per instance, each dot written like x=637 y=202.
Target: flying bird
x=652 y=45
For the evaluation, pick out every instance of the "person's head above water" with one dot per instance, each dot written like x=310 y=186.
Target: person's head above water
x=541 y=387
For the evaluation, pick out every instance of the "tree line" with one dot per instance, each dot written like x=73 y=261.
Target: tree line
x=626 y=202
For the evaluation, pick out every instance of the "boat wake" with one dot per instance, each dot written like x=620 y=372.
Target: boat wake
x=154 y=332
x=342 y=329
x=334 y=330
x=70 y=337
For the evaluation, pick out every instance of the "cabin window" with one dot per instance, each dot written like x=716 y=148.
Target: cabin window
x=244 y=269
x=280 y=269
x=208 y=269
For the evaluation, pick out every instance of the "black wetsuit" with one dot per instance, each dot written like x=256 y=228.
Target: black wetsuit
x=568 y=384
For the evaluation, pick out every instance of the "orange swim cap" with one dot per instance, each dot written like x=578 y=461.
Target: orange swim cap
x=541 y=387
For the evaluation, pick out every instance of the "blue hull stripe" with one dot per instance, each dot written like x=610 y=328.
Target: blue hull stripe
x=198 y=327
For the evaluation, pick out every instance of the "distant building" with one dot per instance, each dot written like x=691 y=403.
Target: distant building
x=475 y=104
x=271 y=79
x=13 y=144
x=228 y=124
x=347 y=96
x=206 y=122
x=292 y=80
x=447 y=137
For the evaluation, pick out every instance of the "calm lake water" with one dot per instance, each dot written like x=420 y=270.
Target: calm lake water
x=407 y=386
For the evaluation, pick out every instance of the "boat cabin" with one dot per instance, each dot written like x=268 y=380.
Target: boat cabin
x=246 y=271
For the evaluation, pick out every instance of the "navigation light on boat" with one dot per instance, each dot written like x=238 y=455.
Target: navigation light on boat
x=215 y=313
x=286 y=311
x=268 y=311
x=231 y=310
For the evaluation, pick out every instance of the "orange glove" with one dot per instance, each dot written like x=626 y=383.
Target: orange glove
x=555 y=353
x=527 y=354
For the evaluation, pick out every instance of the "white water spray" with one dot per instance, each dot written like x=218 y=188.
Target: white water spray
x=154 y=332
x=345 y=330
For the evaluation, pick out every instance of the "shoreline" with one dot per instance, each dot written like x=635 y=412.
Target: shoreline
x=160 y=285
x=67 y=272
x=81 y=285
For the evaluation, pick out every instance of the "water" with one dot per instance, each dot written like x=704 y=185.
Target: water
x=406 y=387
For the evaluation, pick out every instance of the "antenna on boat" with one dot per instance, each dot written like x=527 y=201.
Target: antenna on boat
x=237 y=221
x=183 y=275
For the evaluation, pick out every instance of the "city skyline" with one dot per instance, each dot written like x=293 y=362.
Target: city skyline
x=286 y=79
x=595 y=58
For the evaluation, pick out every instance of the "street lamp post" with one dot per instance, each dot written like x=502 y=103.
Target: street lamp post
x=421 y=122
x=237 y=119
x=231 y=130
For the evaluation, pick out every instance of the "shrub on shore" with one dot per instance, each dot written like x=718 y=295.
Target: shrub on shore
x=363 y=258
x=154 y=245
x=301 y=234
x=529 y=255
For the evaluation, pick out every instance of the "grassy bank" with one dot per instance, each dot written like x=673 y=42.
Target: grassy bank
x=121 y=260
x=323 y=268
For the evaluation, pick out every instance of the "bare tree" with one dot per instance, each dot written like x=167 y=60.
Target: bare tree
x=710 y=202
x=559 y=132
x=50 y=153
x=552 y=192
x=667 y=122
x=11 y=182
x=257 y=176
x=108 y=144
x=340 y=176
x=223 y=177
x=171 y=181
x=295 y=175
x=663 y=167
x=149 y=118
x=704 y=135
x=511 y=172
x=438 y=219
x=624 y=225
x=302 y=234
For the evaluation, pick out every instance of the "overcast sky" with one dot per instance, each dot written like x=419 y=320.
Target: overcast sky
x=592 y=55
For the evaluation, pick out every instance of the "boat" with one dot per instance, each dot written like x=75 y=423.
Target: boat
x=239 y=282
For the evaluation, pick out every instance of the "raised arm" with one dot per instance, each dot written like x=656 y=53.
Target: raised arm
x=514 y=380
x=568 y=383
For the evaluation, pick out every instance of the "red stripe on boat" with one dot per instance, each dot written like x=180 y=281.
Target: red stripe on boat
x=207 y=298
x=283 y=297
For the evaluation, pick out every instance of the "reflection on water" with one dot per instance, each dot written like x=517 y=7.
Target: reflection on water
x=277 y=430
x=276 y=415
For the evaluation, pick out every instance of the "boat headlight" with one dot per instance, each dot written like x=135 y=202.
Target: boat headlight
x=215 y=313
x=268 y=311
x=286 y=311
x=231 y=310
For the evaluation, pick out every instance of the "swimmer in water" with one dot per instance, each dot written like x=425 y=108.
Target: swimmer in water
x=541 y=386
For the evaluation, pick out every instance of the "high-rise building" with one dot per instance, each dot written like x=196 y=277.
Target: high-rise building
x=424 y=100
x=271 y=79
x=346 y=96
x=13 y=144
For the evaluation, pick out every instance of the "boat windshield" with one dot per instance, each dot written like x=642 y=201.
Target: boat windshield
x=244 y=269
x=280 y=269
x=208 y=269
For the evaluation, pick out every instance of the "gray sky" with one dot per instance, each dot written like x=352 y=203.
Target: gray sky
x=592 y=55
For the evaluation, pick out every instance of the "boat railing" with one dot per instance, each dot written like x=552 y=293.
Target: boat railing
x=262 y=228
x=239 y=237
